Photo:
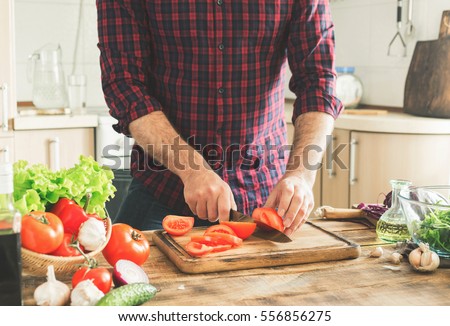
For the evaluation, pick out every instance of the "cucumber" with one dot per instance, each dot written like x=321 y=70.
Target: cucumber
x=133 y=294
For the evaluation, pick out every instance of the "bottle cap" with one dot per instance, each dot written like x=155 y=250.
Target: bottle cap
x=345 y=70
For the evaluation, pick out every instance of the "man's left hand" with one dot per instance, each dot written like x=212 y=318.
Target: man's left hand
x=293 y=198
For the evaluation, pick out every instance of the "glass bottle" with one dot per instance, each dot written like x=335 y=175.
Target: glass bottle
x=392 y=227
x=349 y=88
x=10 y=243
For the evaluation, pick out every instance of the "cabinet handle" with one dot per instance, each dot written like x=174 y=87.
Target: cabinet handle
x=4 y=154
x=4 y=89
x=54 y=153
x=330 y=170
x=352 y=176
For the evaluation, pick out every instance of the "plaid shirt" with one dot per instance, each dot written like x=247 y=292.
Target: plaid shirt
x=216 y=69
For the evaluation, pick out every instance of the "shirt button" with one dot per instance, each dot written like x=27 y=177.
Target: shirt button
x=221 y=47
x=221 y=90
x=219 y=2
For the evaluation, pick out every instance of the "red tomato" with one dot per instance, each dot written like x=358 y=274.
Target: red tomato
x=126 y=243
x=177 y=225
x=198 y=249
x=219 y=228
x=67 y=247
x=100 y=276
x=42 y=232
x=215 y=238
x=264 y=216
x=71 y=214
x=242 y=229
x=220 y=248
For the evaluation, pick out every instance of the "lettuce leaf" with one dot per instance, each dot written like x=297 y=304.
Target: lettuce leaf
x=37 y=188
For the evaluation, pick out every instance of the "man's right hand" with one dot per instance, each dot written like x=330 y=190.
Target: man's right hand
x=208 y=196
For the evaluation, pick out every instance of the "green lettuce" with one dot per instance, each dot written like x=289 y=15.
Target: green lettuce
x=36 y=187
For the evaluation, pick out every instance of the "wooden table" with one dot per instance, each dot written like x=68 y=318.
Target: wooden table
x=361 y=281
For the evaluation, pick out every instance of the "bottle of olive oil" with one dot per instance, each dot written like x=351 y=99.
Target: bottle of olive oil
x=392 y=227
x=10 y=244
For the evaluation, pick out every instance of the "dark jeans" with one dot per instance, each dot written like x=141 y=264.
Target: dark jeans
x=142 y=211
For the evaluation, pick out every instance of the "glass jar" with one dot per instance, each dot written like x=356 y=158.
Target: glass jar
x=392 y=225
x=349 y=88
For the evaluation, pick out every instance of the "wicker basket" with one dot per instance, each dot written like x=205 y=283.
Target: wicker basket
x=36 y=264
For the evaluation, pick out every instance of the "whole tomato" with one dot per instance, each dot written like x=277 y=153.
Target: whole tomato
x=126 y=243
x=42 y=232
x=68 y=247
x=100 y=276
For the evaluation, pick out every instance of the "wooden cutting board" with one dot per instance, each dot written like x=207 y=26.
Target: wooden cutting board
x=311 y=244
x=427 y=90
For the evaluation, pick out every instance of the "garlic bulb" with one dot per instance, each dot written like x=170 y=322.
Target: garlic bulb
x=92 y=234
x=52 y=292
x=376 y=253
x=85 y=294
x=422 y=259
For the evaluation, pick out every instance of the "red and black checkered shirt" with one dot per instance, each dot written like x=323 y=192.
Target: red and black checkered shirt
x=216 y=69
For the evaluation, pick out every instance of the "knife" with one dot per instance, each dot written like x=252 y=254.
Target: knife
x=270 y=234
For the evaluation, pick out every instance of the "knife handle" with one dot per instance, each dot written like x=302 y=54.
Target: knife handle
x=332 y=212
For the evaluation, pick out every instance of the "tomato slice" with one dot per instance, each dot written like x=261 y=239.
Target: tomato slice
x=264 y=216
x=219 y=228
x=197 y=249
x=177 y=225
x=216 y=238
x=220 y=248
x=242 y=229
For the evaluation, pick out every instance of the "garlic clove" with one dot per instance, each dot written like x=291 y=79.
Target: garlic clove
x=396 y=258
x=376 y=253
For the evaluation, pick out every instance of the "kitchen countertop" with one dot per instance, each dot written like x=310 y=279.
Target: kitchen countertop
x=363 y=281
x=392 y=122
x=28 y=119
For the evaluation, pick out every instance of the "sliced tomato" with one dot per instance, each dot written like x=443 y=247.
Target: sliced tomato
x=220 y=248
x=242 y=229
x=220 y=228
x=177 y=225
x=223 y=239
x=264 y=216
x=197 y=249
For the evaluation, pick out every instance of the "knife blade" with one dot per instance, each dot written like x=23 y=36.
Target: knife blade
x=268 y=233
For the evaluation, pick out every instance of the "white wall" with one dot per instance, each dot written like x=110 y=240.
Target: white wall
x=364 y=29
x=55 y=21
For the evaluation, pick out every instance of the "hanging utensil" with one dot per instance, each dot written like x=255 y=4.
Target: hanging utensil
x=398 y=35
x=409 y=23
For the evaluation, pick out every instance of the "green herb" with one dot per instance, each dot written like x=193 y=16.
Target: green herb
x=36 y=187
x=435 y=230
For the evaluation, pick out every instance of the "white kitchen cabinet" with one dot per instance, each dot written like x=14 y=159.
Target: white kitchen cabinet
x=8 y=105
x=7 y=143
x=369 y=160
x=376 y=158
x=56 y=148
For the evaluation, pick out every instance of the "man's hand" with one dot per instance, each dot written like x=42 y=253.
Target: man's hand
x=293 y=196
x=208 y=196
x=294 y=201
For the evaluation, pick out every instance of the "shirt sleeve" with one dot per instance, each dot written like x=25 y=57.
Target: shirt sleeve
x=311 y=59
x=124 y=43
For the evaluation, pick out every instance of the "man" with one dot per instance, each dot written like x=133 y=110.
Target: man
x=199 y=86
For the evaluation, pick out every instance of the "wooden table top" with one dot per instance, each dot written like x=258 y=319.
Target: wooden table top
x=363 y=281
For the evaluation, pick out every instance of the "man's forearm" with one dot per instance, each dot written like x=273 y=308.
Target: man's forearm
x=310 y=137
x=157 y=137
